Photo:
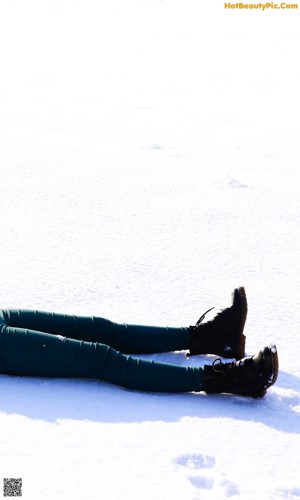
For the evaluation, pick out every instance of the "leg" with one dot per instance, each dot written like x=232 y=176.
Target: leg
x=32 y=353
x=133 y=339
x=222 y=336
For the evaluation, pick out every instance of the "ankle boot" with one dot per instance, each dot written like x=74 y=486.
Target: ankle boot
x=248 y=377
x=224 y=334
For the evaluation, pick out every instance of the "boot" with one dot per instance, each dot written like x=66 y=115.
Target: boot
x=248 y=377
x=224 y=334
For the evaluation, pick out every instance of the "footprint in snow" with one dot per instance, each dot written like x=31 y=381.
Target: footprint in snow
x=234 y=183
x=202 y=482
x=286 y=493
x=195 y=461
x=206 y=480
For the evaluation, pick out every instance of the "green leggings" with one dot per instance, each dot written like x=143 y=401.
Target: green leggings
x=36 y=343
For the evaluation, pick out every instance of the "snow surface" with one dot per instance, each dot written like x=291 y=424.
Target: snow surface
x=149 y=156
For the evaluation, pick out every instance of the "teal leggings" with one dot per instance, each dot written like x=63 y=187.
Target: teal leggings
x=37 y=343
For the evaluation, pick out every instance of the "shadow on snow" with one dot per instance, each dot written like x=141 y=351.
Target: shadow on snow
x=78 y=399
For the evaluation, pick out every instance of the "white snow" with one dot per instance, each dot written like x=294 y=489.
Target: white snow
x=149 y=157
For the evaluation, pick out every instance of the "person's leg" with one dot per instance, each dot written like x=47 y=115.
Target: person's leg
x=129 y=339
x=222 y=336
x=29 y=353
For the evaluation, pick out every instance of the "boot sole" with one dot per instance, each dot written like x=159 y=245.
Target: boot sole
x=241 y=341
x=272 y=380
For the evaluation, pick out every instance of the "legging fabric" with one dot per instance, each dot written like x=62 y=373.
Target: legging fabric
x=38 y=343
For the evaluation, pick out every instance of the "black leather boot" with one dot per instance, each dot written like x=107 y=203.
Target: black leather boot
x=224 y=334
x=248 y=377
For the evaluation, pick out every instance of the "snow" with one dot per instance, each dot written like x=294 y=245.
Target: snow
x=149 y=161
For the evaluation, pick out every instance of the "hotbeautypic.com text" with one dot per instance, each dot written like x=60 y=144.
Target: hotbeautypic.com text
x=261 y=6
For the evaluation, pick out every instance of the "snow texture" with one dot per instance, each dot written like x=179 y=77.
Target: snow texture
x=149 y=157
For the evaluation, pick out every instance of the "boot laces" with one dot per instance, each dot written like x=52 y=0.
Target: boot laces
x=219 y=316
x=203 y=316
x=229 y=370
x=235 y=369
